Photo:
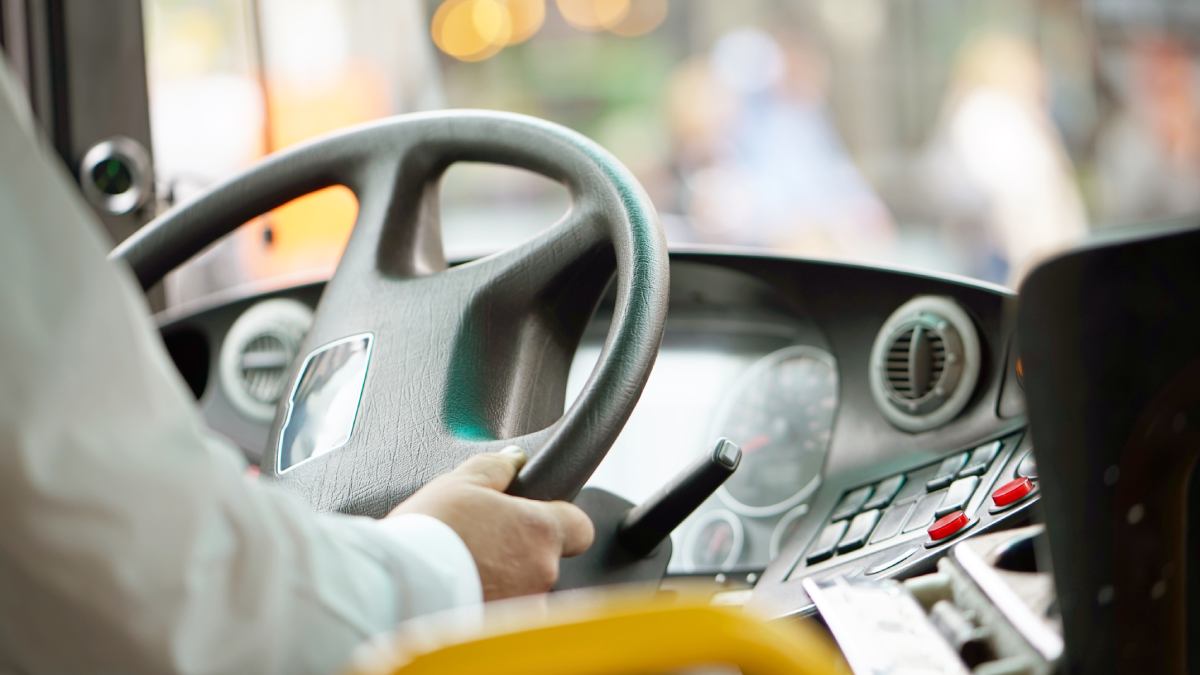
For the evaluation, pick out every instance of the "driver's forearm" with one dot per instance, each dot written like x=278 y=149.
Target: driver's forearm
x=130 y=541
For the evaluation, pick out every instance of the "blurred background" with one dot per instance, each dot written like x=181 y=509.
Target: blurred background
x=967 y=137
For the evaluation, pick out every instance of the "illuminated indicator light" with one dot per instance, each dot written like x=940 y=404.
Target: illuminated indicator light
x=112 y=177
x=1020 y=368
x=1012 y=491
x=948 y=525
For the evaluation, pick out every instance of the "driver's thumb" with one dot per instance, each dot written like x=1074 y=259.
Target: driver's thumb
x=494 y=469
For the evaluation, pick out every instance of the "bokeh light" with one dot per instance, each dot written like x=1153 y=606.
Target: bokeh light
x=594 y=15
x=472 y=30
x=475 y=30
x=643 y=16
x=527 y=18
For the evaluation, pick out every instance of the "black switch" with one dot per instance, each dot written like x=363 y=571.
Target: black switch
x=946 y=472
x=914 y=484
x=922 y=514
x=891 y=522
x=851 y=503
x=958 y=495
x=860 y=528
x=885 y=490
x=823 y=547
x=981 y=458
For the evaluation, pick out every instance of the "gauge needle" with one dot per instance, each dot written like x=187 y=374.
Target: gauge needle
x=718 y=541
x=756 y=443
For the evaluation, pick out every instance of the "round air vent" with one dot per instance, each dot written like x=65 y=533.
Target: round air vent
x=258 y=352
x=925 y=363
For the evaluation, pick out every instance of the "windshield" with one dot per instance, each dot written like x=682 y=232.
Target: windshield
x=964 y=137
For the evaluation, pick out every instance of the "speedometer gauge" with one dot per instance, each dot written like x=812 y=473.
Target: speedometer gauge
x=781 y=412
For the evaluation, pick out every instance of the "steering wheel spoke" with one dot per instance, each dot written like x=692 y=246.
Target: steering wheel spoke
x=459 y=360
x=555 y=256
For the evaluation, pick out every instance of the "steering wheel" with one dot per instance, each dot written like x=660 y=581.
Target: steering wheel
x=458 y=360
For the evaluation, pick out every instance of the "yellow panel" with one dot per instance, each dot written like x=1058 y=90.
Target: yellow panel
x=615 y=635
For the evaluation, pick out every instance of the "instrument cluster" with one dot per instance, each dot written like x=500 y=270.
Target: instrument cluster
x=781 y=411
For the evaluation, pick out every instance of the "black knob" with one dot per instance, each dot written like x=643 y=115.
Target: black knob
x=648 y=524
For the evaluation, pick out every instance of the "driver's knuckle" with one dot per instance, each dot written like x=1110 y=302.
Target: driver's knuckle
x=547 y=571
x=486 y=465
x=541 y=526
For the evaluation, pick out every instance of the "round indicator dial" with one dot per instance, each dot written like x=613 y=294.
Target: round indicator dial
x=781 y=412
x=715 y=542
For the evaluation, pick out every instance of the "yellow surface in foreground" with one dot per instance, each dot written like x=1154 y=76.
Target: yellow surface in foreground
x=610 y=634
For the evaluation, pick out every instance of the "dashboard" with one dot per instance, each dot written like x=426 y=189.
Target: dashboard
x=868 y=403
x=730 y=367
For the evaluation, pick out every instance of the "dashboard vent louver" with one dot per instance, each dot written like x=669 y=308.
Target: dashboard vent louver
x=916 y=362
x=258 y=352
x=925 y=364
x=264 y=364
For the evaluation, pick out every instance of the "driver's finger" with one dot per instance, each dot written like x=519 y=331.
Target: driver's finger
x=494 y=470
x=576 y=528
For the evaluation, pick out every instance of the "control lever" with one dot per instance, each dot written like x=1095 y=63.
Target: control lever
x=633 y=543
x=647 y=524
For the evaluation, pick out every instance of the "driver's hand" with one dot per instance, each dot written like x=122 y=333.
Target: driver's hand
x=516 y=542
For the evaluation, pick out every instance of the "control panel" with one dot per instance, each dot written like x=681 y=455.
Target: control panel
x=905 y=520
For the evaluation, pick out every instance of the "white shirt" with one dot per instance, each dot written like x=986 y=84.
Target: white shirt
x=130 y=540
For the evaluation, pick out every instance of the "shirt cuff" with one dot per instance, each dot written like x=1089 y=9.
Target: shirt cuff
x=437 y=564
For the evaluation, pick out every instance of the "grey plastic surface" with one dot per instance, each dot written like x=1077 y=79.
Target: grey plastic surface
x=471 y=358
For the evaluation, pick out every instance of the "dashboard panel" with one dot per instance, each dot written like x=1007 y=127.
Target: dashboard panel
x=738 y=360
x=783 y=356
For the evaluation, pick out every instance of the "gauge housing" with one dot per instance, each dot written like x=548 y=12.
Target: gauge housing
x=801 y=409
x=696 y=537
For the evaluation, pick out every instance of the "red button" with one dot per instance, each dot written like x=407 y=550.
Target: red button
x=947 y=525
x=1012 y=491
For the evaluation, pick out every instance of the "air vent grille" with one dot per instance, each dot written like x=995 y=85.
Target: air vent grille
x=258 y=353
x=916 y=362
x=925 y=363
x=264 y=363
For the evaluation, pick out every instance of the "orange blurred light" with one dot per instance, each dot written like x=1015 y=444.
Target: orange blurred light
x=643 y=16
x=593 y=14
x=309 y=234
x=472 y=30
x=527 y=18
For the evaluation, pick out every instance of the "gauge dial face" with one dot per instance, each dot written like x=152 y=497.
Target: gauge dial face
x=781 y=412
x=715 y=542
x=786 y=530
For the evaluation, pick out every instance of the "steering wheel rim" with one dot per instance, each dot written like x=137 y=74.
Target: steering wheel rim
x=466 y=359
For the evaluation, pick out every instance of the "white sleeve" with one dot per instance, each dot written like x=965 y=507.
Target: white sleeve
x=130 y=540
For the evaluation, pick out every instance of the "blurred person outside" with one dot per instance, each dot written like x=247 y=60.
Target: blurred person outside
x=996 y=172
x=761 y=162
x=1148 y=154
